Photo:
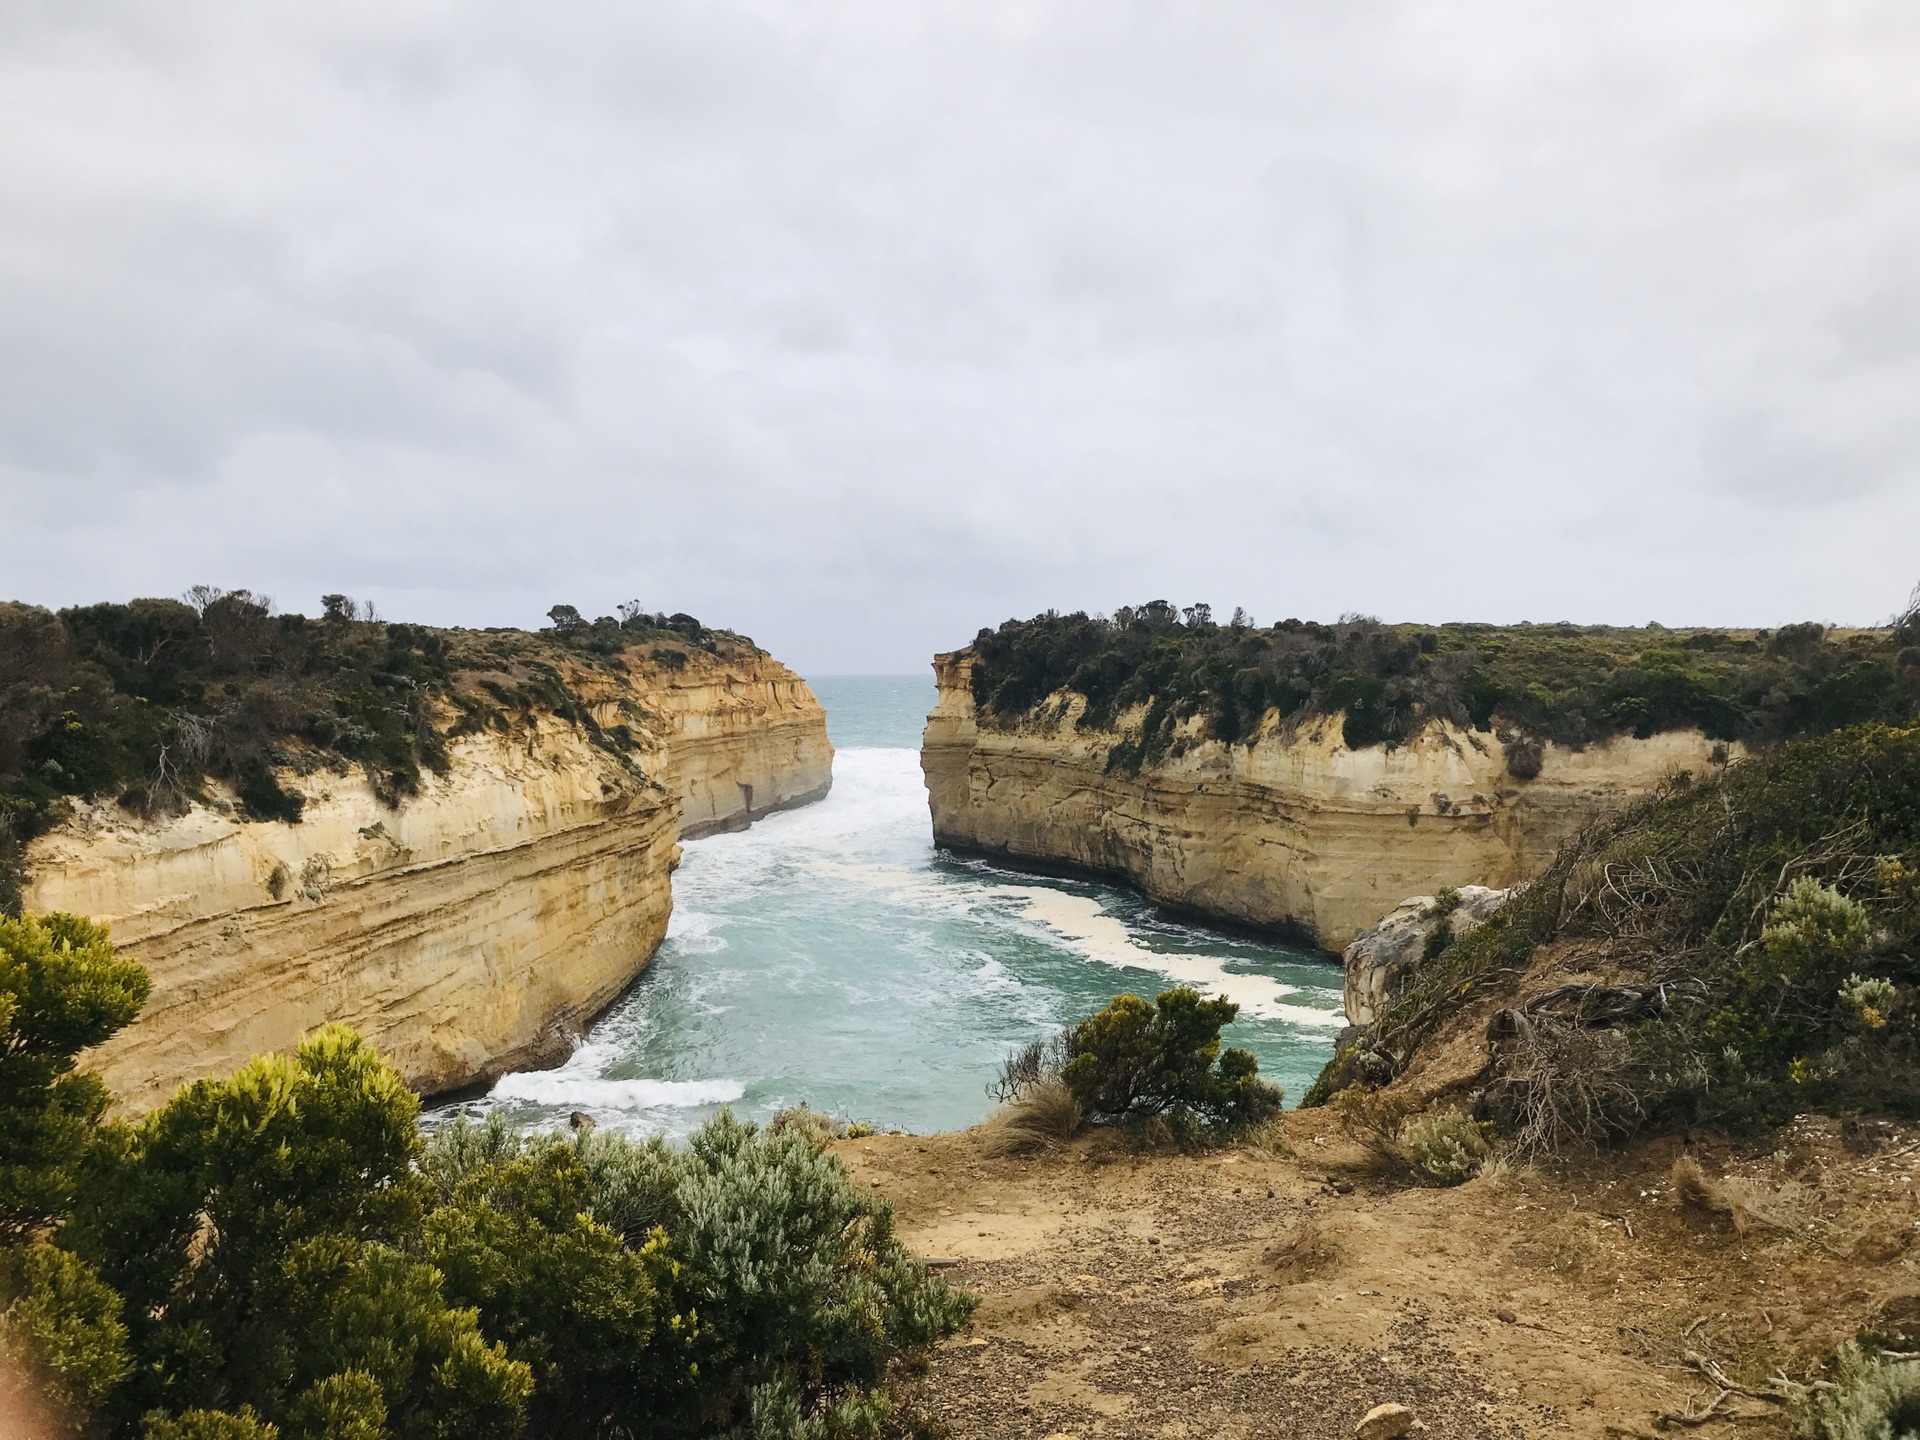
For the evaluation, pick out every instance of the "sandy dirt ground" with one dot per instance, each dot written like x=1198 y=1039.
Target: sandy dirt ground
x=1285 y=1289
x=23 y=1415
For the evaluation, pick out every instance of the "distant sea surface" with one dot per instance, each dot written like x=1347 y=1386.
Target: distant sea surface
x=830 y=955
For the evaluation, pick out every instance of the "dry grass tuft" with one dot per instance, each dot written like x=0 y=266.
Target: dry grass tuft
x=1044 y=1117
x=1694 y=1191
x=1793 y=1209
x=816 y=1127
x=1306 y=1254
x=1270 y=1138
x=1503 y=1171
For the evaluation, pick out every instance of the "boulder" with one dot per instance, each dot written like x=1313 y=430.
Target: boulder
x=1387 y=1422
x=1385 y=956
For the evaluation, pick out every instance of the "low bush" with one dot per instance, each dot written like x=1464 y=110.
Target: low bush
x=1136 y=1059
x=281 y=1252
x=1448 y=1146
x=1565 y=1086
x=1873 y=1398
x=818 y=1128
x=1154 y=1063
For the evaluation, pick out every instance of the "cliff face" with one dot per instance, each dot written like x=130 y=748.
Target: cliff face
x=1294 y=831
x=471 y=930
x=734 y=738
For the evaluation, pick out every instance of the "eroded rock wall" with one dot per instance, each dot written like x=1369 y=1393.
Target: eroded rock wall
x=734 y=738
x=1294 y=832
x=474 y=928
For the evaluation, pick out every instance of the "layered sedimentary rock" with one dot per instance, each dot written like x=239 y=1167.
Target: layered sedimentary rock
x=469 y=930
x=1294 y=832
x=733 y=738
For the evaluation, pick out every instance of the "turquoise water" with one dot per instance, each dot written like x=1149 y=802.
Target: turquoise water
x=830 y=955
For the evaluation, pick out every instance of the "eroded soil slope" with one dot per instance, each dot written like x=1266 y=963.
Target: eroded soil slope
x=1284 y=1289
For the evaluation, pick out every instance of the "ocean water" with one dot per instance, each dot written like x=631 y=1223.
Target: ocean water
x=829 y=955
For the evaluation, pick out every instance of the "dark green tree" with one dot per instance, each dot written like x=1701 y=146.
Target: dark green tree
x=1137 y=1059
x=62 y=989
x=518 y=1241
x=259 y=1226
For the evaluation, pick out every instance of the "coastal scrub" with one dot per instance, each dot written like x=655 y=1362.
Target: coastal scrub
x=282 y=1252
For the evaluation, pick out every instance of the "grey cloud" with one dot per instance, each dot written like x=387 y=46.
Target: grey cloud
x=857 y=326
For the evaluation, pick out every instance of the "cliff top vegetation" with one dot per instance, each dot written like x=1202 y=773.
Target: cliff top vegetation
x=149 y=701
x=1569 y=684
x=1733 y=950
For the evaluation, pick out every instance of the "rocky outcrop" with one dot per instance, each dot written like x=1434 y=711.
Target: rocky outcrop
x=1294 y=832
x=472 y=929
x=1386 y=955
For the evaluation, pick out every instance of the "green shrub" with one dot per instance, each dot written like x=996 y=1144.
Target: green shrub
x=1873 y=1399
x=264 y=1231
x=1139 y=1059
x=1568 y=684
x=1446 y=1145
x=62 y=1324
x=1869 y=1000
x=61 y=989
x=755 y=1277
x=797 y=1276
x=242 y=1424
x=279 y=1253
x=348 y=1406
x=819 y=1128
x=517 y=1239
x=1784 y=989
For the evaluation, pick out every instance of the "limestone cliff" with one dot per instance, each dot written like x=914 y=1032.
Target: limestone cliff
x=735 y=737
x=471 y=929
x=1294 y=831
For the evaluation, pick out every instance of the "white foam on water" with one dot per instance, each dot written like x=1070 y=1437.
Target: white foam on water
x=928 y=894
x=692 y=932
x=1098 y=936
x=1087 y=928
x=585 y=1092
x=872 y=790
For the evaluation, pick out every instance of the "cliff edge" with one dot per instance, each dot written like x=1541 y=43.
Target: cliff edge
x=1293 y=831
x=467 y=928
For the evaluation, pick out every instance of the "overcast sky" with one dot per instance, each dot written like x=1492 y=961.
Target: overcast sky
x=858 y=326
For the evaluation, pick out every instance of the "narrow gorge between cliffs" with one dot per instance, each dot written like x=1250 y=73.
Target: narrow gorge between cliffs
x=830 y=956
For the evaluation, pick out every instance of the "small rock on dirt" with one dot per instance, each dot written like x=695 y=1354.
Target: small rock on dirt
x=1506 y=1317
x=1387 y=1422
